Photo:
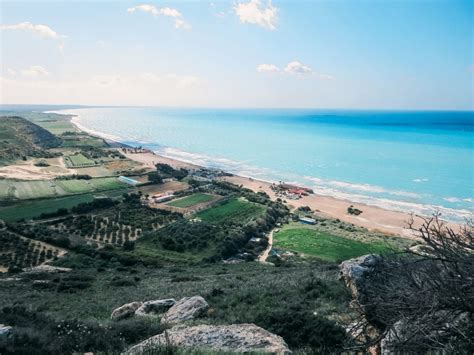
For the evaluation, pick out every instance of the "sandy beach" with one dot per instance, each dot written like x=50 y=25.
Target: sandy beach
x=372 y=218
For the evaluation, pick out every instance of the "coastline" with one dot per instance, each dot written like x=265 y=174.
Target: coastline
x=373 y=218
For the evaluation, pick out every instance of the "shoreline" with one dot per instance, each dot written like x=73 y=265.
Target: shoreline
x=373 y=218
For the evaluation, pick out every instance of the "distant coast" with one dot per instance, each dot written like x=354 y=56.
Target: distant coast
x=372 y=217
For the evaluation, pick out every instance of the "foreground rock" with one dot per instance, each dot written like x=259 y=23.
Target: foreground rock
x=230 y=338
x=155 y=308
x=354 y=273
x=185 y=309
x=5 y=332
x=46 y=268
x=125 y=311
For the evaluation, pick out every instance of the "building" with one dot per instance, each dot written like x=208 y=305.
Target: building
x=159 y=198
x=128 y=180
x=307 y=220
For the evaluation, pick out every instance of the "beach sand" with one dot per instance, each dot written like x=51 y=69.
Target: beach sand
x=372 y=218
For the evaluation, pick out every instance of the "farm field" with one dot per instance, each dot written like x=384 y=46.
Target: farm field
x=56 y=126
x=191 y=200
x=10 y=211
x=233 y=209
x=22 y=190
x=78 y=161
x=322 y=245
x=78 y=141
x=10 y=189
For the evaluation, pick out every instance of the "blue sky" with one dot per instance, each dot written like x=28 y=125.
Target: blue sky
x=328 y=54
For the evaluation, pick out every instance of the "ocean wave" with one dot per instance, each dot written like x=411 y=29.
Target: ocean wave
x=364 y=187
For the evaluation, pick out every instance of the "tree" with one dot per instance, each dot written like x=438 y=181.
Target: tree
x=424 y=298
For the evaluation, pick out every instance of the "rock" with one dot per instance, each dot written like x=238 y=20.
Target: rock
x=225 y=338
x=354 y=272
x=5 y=332
x=125 y=311
x=185 y=309
x=46 y=268
x=154 y=308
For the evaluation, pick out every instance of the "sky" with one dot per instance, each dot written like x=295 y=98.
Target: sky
x=346 y=54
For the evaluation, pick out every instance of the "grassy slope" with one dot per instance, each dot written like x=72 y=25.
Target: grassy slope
x=247 y=290
x=322 y=245
x=192 y=200
x=19 y=138
x=232 y=209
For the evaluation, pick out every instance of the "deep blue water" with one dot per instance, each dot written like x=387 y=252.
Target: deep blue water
x=409 y=161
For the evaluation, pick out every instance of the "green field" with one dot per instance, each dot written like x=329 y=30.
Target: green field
x=56 y=127
x=192 y=200
x=30 y=209
x=22 y=190
x=322 y=245
x=81 y=141
x=238 y=209
x=78 y=161
x=13 y=211
x=10 y=189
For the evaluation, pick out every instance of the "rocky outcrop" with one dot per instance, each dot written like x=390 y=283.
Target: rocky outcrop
x=155 y=308
x=125 y=311
x=46 y=268
x=185 y=309
x=355 y=271
x=231 y=338
x=5 y=332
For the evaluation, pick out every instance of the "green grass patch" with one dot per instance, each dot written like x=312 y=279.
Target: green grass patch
x=322 y=245
x=11 y=189
x=25 y=190
x=14 y=211
x=81 y=141
x=235 y=209
x=78 y=161
x=56 y=126
x=191 y=200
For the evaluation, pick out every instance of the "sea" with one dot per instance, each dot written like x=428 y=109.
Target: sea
x=410 y=161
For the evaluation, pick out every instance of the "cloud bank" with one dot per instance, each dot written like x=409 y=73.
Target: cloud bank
x=257 y=13
x=40 y=30
x=164 y=11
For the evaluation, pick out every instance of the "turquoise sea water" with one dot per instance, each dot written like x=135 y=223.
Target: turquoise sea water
x=409 y=161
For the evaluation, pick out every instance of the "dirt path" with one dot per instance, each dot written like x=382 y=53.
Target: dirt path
x=263 y=257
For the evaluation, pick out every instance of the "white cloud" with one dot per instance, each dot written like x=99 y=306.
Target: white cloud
x=40 y=30
x=296 y=67
x=258 y=13
x=164 y=11
x=35 y=71
x=292 y=68
x=267 y=68
x=100 y=44
x=11 y=72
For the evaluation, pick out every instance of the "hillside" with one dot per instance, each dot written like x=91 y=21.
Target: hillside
x=21 y=138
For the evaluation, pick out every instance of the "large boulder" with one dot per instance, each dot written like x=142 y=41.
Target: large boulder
x=185 y=309
x=355 y=271
x=5 y=332
x=155 y=308
x=219 y=338
x=125 y=311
